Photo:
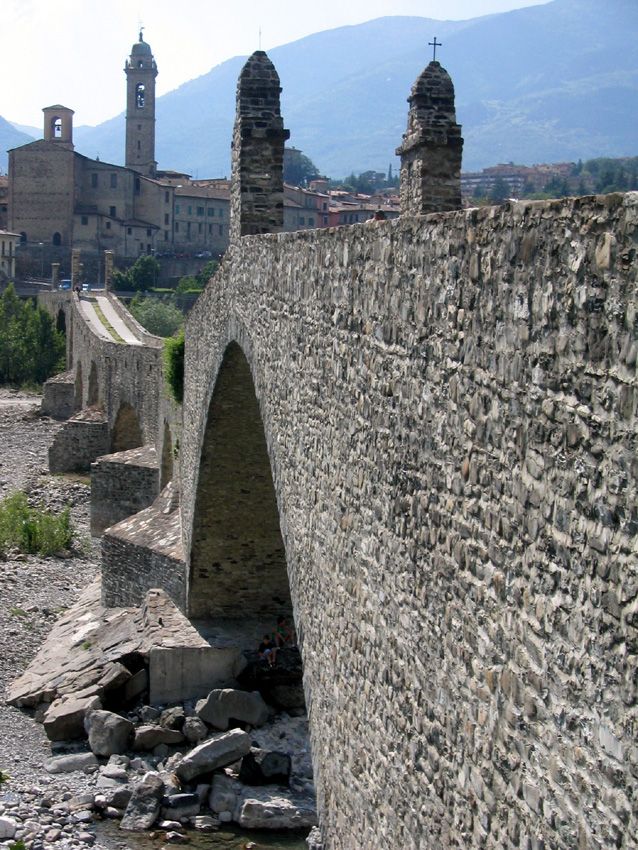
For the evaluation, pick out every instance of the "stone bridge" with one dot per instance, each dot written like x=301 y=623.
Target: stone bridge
x=421 y=435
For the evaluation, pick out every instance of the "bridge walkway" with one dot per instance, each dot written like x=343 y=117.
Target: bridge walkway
x=112 y=317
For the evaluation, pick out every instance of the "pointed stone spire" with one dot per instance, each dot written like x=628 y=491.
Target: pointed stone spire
x=257 y=152
x=432 y=147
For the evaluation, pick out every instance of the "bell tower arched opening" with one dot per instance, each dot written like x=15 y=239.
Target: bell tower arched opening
x=238 y=561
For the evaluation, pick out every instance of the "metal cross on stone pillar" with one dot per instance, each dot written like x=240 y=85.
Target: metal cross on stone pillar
x=434 y=44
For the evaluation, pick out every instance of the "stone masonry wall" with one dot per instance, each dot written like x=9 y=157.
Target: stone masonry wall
x=122 y=484
x=126 y=374
x=449 y=404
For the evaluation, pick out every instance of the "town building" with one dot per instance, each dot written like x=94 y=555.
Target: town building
x=8 y=244
x=59 y=198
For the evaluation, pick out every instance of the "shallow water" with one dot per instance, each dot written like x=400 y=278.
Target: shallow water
x=228 y=838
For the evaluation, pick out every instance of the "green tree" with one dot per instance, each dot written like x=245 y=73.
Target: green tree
x=500 y=191
x=141 y=276
x=299 y=169
x=174 y=365
x=31 y=349
x=207 y=272
x=159 y=317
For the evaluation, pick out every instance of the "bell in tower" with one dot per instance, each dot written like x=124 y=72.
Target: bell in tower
x=140 y=70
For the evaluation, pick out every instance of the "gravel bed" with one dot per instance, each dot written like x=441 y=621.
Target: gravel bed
x=33 y=591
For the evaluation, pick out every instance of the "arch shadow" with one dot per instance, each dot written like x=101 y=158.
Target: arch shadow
x=79 y=389
x=94 y=388
x=126 y=432
x=238 y=561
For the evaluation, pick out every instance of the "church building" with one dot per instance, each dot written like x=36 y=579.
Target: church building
x=58 y=197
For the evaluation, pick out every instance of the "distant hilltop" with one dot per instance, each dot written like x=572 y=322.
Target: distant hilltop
x=548 y=83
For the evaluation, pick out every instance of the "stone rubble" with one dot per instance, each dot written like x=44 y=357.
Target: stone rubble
x=57 y=790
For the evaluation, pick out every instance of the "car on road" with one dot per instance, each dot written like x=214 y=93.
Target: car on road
x=65 y=284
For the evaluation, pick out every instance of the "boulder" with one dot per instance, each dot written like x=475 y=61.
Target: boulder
x=136 y=685
x=219 y=751
x=272 y=808
x=224 y=794
x=173 y=718
x=222 y=705
x=108 y=732
x=67 y=764
x=64 y=719
x=263 y=767
x=7 y=828
x=145 y=804
x=149 y=737
x=194 y=729
x=180 y=806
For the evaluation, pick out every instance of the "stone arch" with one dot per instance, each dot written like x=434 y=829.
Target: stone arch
x=60 y=322
x=94 y=387
x=166 y=470
x=79 y=389
x=57 y=239
x=238 y=561
x=126 y=431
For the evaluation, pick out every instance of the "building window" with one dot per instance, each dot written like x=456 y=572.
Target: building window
x=166 y=236
x=211 y=211
x=311 y=222
x=221 y=213
x=113 y=181
x=190 y=210
x=176 y=209
x=302 y=219
x=148 y=231
x=94 y=181
x=85 y=219
x=108 y=225
x=141 y=246
x=139 y=145
x=221 y=230
x=139 y=95
x=200 y=210
x=129 y=230
x=165 y=218
x=210 y=228
x=325 y=219
x=112 y=212
x=138 y=185
x=166 y=197
x=57 y=128
x=57 y=239
x=23 y=238
x=177 y=227
x=200 y=227
x=325 y=206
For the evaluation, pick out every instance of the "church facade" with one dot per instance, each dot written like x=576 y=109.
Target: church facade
x=58 y=197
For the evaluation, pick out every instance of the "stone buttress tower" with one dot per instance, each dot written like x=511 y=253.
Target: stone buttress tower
x=257 y=151
x=432 y=147
x=140 y=70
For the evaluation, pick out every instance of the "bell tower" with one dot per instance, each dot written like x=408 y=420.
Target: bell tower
x=140 y=70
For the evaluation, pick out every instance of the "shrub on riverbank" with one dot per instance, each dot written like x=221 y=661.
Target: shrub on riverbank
x=33 y=531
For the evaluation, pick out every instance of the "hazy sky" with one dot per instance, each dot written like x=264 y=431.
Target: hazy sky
x=72 y=52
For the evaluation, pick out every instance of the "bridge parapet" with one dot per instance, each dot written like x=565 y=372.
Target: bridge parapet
x=449 y=408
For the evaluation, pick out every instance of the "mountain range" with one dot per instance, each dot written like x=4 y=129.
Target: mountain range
x=541 y=84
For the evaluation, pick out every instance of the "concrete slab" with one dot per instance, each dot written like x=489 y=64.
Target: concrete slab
x=183 y=673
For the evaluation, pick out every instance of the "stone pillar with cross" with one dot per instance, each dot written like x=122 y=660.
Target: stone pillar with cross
x=432 y=147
